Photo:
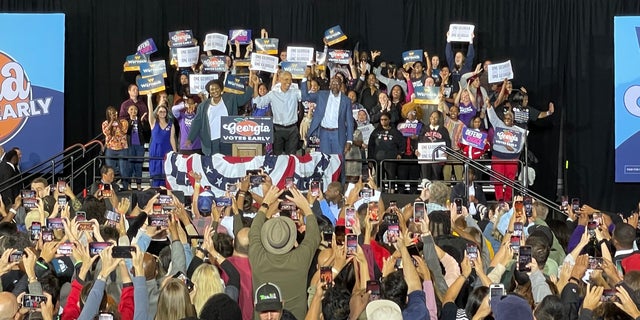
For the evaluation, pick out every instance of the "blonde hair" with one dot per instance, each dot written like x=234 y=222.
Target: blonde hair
x=174 y=302
x=440 y=192
x=208 y=282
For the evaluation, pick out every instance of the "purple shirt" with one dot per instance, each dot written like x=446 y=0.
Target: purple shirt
x=124 y=107
x=467 y=112
x=184 y=120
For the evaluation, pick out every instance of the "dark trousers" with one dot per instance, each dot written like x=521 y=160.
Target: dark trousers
x=285 y=140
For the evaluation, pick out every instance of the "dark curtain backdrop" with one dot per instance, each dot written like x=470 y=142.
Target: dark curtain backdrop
x=561 y=51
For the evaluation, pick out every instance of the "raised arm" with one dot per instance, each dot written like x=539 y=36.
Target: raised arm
x=152 y=114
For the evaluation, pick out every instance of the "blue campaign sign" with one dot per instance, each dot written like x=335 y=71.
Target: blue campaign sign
x=627 y=98
x=32 y=84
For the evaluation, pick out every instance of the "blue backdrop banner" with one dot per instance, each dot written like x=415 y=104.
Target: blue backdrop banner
x=32 y=85
x=627 y=95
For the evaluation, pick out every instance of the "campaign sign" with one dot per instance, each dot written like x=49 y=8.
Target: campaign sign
x=246 y=130
x=427 y=151
x=181 y=39
x=32 y=85
x=198 y=82
x=300 y=54
x=264 y=62
x=507 y=138
x=339 y=56
x=409 y=129
x=133 y=62
x=296 y=69
x=215 y=41
x=240 y=35
x=153 y=68
x=426 y=95
x=626 y=40
x=460 y=32
x=334 y=35
x=234 y=84
x=499 y=71
x=412 y=56
x=152 y=84
x=214 y=64
x=473 y=138
x=266 y=45
x=147 y=47
x=187 y=56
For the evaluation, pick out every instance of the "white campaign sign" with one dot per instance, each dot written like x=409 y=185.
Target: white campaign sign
x=426 y=150
x=187 y=56
x=198 y=82
x=264 y=62
x=300 y=54
x=499 y=71
x=216 y=41
x=460 y=32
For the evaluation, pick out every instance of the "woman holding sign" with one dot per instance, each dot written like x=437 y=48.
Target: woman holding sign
x=163 y=140
x=507 y=144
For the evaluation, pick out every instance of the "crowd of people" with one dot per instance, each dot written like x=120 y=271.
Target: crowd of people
x=360 y=110
x=269 y=253
x=341 y=252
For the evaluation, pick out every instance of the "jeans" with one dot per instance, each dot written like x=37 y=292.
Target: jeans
x=120 y=166
x=135 y=165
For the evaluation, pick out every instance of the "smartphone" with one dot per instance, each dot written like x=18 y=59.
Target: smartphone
x=62 y=201
x=157 y=208
x=36 y=230
x=350 y=217
x=591 y=228
x=458 y=202
x=373 y=286
x=608 y=295
x=393 y=204
x=198 y=238
x=518 y=207
x=223 y=202
x=327 y=236
x=528 y=206
x=187 y=282
x=418 y=211
x=514 y=243
x=398 y=264
x=16 y=256
x=96 y=247
x=288 y=182
x=365 y=172
x=106 y=190
x=372 y=209
x=47 y=235
x=496 y=290
x=231 y=188
x=85 y=226
x=597 y=217
x=62 y=186
x=366 y=193
x=326 y=276
x=81 y=216
x=122 y=252
x=165 y=199
x=340 y=235
x=33 y=301
x=112 y=216
x=55 y=224
x=158 y=220
x=595 y=263
x=517 y=229
x=162 y=192
x=393 y=231
x=105 y=316
x=472 y=251
x=564 y=204
x=65 y=249
x=315 y=188
x=29 y=199
x=413 y=250
x=524 y=258
x=620 y=268
x=575 y=204
x=352 y=244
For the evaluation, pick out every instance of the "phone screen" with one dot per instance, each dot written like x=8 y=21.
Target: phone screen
x=373 y=286
x=458 y=202
x=340 y=235
x=350 y=217
x=352 y=244
x=327 y=237
x=472 y=251
x=288 y=182
x=372 y=208
x=35 y=231
x=96 y=247
x=517 y=229
x=575 y=204
x=326 y=275
x=524 y=258
x=65 y=249
x=518 y=206
x=515 y=243
x=393 y=232
x=496 y=290
x=528 y=206
x=418 y=211
x=187 y=282
x=62 y=186
x=33 y=301
x=315 y=188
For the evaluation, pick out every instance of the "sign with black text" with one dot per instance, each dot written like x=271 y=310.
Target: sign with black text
x=187 y=56
x=300 y=54
x=499 y=71
x=460 y=32
x=264 y=62
x=215 y=41
x=198 y=82
x=246 y=129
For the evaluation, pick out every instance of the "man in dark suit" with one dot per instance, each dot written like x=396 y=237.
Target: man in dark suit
x=8 y=170
x=476 y=199
x=332 y=120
